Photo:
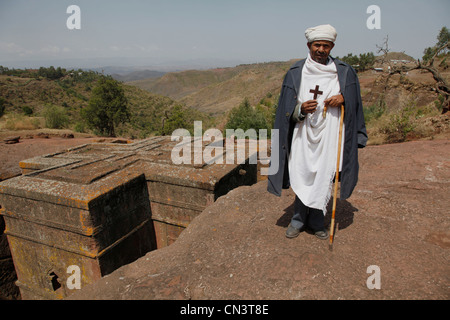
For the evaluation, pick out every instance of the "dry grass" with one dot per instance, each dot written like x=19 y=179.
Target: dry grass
x=15 y=122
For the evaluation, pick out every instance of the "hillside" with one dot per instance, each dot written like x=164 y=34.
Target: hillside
x=26 y=95
x=395 y=56
x=217 y=91
x=138 y=75
x=389 y=101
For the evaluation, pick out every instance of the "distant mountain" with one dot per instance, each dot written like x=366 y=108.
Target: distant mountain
x=395 y=56
x=124 y=64
x=217 y=91
x=138 y=75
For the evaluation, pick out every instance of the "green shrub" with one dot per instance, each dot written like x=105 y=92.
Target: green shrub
x=246 y=117
x=400 y=124
x=176 y=118
x=79 y=127
x=55 y=117
x=374 y=111
x=27 y=110
x=439 y=103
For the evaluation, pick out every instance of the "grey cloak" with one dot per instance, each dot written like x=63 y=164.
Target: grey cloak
x=355 y=128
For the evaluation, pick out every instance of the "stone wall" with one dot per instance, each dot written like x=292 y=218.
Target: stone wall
x=8 y=290
x=100 y=206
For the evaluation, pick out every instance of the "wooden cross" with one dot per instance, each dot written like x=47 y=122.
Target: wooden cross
x=316 y=92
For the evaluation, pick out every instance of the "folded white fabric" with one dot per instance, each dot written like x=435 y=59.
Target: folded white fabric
x=322 y=32
x=312 y=161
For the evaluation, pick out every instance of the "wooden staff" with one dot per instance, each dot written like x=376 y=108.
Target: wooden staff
x=336 y=180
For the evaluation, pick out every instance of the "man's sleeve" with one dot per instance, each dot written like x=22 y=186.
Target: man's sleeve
x=361 y=125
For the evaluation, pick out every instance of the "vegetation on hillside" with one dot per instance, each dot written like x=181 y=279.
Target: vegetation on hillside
x=59 y=98
x=259 y=118
x=217 y=91
x=361 y=63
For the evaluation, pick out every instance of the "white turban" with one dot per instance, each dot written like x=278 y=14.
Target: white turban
x=322 y=32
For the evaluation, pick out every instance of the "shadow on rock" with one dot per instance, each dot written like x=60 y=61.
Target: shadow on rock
x=345 y=212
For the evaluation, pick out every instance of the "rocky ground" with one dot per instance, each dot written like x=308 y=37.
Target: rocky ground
x=32 y=143
x=396 y=220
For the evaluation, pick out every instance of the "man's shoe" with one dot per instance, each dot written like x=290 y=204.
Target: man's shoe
x=322 y=235
x=292 y=232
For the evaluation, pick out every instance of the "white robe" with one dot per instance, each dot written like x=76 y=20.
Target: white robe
x=312 y=161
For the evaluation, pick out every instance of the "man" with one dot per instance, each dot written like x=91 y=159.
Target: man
x=306 y=146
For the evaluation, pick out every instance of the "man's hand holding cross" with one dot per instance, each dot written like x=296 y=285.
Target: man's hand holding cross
x=310 y=106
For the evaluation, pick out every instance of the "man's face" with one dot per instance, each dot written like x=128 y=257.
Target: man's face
x=320 y=50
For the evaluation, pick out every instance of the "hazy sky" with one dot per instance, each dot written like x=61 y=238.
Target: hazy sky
x=146 y=32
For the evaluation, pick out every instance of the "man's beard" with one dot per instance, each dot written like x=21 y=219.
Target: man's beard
x=320 y=59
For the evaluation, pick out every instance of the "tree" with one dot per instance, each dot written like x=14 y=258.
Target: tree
x=2 y=106
x=361 y=63
x=174 y=119
x=51 y=73
x=443 y=38
x=442 y=86
x=246 y=117
x=441 y=45
x=366 y=61
x=107 y=108
x=350 y=59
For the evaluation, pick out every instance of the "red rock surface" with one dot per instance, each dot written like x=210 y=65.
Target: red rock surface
x=12 y=154
x=397 y=219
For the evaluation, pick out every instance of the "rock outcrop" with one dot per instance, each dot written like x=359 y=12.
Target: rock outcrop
x=397 y=219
